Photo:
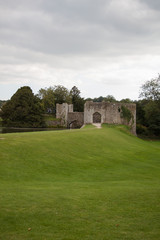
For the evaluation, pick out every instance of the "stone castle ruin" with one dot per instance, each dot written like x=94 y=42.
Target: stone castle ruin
x=98 y=112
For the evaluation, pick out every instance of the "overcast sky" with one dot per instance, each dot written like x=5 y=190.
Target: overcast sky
x=101 y=46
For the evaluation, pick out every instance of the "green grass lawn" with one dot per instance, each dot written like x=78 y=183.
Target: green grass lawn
x=87 y=184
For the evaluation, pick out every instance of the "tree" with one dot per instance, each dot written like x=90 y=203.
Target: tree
x=152 y=116
x=109 y=98
x=151 y=89
x=52 y=95
x=23 y=110
x=88 y=99
x=148 y=109
x=61 y=94
x=140 y=111
x=126 y=100
x=2 y=102
x=99 y=99
x=77 y=101
x=47 y=98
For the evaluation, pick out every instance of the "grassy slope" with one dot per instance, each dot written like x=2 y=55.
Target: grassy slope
x=80 y=184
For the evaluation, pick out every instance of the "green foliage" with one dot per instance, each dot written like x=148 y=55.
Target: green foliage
x=152 y=116
x=80 y=184
x=126 y=100
x=50 y=117
x=2 y=102
x=77 y=101
x=0 y=121
x=140 y=112
x=61 y=94
x=23 y=110
x=53 y=95
x=99 y=99
x=141 y=130
x=47 y=98
x=148 y=109
x=126 y=114
x=88 y=99
x=151 y=89
x=148 y=117
x=108 y=98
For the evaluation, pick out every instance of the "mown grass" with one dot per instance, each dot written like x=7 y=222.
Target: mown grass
x=89 y=126
x=50 y=117
x=101 y=184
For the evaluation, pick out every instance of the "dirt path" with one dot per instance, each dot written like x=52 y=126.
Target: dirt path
x=98 y=125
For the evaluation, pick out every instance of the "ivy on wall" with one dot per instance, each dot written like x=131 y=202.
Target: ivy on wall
x=126 y=114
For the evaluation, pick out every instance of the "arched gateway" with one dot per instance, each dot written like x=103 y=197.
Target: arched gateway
x=96 y=117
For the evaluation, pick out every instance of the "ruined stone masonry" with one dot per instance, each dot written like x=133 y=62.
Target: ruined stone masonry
x=62 y=111
x=98 y=112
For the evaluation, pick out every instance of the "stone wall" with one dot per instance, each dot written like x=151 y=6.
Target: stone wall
x=75 y=119
x=97 y=112
x=111 y=113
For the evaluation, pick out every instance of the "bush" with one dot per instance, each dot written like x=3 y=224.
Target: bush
x=142 y=130
x=23 y=110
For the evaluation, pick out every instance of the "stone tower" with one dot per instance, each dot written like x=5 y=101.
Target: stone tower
x=62 y=111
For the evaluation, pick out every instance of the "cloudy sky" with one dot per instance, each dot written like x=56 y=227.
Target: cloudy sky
x=101 y=46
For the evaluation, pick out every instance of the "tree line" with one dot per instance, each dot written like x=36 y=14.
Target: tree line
x=148 y=108
x=59 y=94
x=25 y=109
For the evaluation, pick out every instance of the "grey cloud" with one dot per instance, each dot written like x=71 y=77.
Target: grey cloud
x=75 y=35
x=69 y=27
x=155 y=4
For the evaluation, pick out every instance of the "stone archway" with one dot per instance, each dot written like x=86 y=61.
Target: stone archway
x=96 y=117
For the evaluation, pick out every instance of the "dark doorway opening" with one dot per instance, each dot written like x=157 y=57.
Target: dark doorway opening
x=96 y=117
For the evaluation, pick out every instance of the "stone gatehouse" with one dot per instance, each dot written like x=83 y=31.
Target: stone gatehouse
x=98 y=112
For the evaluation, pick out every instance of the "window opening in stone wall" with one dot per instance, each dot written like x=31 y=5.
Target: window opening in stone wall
x=96 y=117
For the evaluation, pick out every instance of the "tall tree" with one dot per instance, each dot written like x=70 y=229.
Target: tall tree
x=140 y=111
x=126 y=100
x=99 y=99
x=23 y=110
x=109 y=98
x=78 y=102
x=152 y=116
x=148 y=110
x=2 y=102
x=151 y=89
x=47 y=98
x=61 y=94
